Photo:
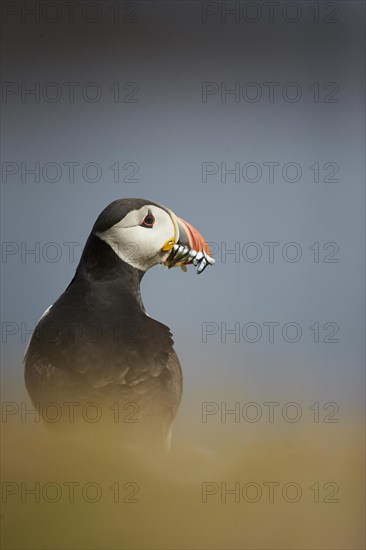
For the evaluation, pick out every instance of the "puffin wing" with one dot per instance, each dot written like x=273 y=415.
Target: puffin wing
x=128 y=360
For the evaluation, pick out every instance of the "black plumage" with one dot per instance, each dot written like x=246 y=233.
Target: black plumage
x=97 y=344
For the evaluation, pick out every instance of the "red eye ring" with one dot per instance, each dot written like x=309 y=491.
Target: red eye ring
x=149 y=220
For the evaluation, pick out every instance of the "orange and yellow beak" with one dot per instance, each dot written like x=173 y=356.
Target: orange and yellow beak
x=191 y=237
x=187 y=245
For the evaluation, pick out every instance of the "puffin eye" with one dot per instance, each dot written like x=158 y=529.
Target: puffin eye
x=149 y=220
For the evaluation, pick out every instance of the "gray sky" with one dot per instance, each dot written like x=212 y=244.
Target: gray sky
x=293 y=134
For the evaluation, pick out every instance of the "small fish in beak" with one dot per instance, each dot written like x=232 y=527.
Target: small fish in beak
x=190 y=248
x=182 y=255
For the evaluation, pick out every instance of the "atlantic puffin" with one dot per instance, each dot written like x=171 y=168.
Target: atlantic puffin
x=96 y=343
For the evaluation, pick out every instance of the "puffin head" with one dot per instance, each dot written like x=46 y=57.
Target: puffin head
x=144 y=233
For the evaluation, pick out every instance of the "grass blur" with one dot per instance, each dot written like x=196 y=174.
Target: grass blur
x=155 y=501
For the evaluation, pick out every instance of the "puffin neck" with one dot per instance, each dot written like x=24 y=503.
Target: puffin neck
x=99 y=263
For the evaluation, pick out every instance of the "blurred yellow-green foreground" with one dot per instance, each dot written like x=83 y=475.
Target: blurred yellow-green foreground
x=224 y=485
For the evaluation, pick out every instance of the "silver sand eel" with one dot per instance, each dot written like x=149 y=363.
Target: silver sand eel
x=184 y=253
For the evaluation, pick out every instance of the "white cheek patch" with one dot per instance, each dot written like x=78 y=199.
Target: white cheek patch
x=140 y=246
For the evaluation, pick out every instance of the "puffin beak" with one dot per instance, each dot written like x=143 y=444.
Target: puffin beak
x=189 y=236
x=187 y=247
